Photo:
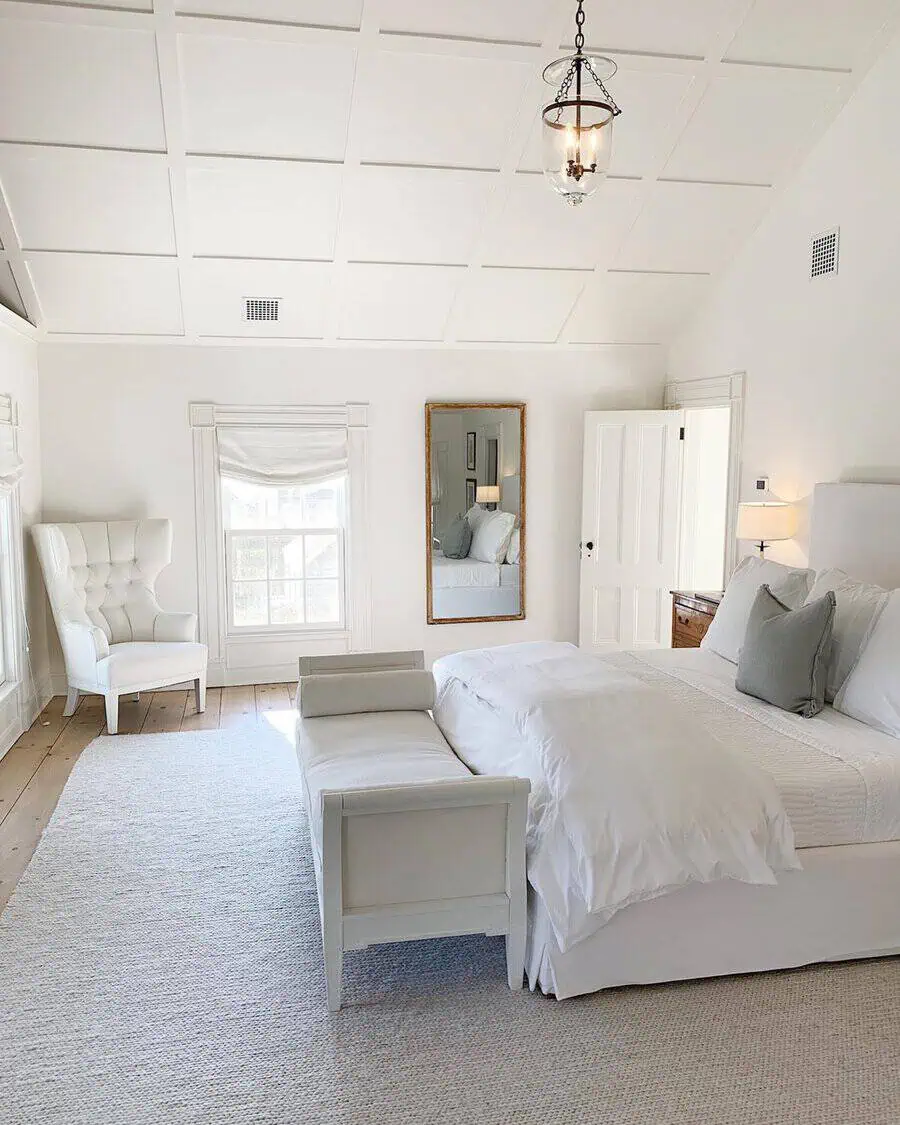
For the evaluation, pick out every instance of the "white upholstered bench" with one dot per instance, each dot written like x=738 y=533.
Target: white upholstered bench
x=407 y=843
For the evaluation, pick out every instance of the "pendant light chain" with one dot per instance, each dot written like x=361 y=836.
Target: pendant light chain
x=583 y=61
x=579 y=23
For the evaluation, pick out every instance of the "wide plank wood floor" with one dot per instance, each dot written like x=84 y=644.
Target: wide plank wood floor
x=34 y=771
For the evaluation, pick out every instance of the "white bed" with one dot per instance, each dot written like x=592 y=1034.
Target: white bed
x=838 y=779
x=469 y=588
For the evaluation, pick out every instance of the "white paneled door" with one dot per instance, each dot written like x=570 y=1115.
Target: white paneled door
x=629 y=527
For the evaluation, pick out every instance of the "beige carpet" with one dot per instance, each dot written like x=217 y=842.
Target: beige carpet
x=160 y=963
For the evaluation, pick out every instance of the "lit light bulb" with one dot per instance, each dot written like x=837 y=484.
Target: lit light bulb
x=594 y=139
x=571 y=143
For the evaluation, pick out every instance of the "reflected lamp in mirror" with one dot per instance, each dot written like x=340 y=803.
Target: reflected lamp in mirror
x=487 y=494
x=766 y=522
x=475 y=511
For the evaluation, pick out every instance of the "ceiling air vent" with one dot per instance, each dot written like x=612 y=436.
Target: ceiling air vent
x=261 y=308
x=824 y=253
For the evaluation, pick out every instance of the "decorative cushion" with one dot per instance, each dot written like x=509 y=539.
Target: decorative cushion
x=491 y=537
x=790 y=585
x=859 y=606
x=457 y=539
x=512 y=551
x=871 y=692
x=475 y=515
x=784 y=657
x=353 y=693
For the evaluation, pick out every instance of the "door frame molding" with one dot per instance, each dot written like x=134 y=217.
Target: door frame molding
x=725 y=390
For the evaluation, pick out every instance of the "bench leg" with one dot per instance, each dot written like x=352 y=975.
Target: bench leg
x=334 y=967
x=515 y=958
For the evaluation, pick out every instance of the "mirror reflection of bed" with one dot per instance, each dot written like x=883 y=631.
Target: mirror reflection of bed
x=475 y=458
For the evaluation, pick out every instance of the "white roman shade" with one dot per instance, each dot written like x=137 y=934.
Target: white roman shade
x=282 y=455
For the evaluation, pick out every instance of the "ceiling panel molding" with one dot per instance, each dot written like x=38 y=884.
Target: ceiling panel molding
x=263 y=209
x=80 y=85
x=265 y=98
x=19 y=292
x=337 y=15
x=500 y=305
x=79 y=199
x=686 y=227
x=107 y=14
x=396 y=302
x=108 y=294
x=824 y=33
x=338 y=154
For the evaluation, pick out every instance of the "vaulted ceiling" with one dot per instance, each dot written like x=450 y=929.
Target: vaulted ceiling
x=374 y=164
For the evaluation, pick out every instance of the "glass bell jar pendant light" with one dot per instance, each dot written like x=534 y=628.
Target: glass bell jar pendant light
x=577 y=126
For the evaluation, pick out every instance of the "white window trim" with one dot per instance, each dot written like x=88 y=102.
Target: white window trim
x=725 y=390
x=357 y=635
x=17 y=696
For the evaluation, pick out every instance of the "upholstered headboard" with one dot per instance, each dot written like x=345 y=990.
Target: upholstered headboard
x=857 y=527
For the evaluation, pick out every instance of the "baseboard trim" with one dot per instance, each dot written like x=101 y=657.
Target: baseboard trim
x=27 y=708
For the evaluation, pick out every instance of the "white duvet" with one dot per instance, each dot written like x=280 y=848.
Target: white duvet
x=631 y=798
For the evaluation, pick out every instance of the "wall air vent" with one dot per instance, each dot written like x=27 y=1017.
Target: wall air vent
x=824 y=253
x=261 y=308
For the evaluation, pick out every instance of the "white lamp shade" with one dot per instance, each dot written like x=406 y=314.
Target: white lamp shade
x=766 y=522
x=487 y=494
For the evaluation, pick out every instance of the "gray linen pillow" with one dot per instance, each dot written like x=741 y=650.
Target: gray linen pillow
x=457 y=539
x=784 y=659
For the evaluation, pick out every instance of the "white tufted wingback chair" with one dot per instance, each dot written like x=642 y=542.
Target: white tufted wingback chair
x=116 y=639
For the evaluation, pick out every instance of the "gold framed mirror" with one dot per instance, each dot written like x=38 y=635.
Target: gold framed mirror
x=475 y=528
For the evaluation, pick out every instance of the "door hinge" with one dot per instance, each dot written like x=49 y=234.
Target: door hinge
x=681 y=434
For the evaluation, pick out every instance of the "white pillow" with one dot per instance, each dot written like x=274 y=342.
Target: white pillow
x=491 y=535
x=512 y=551
x=475 y=515
x=872 y=690
x=790 y=585
x=859 y=605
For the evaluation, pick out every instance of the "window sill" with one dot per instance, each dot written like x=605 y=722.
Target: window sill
x=7 y=689
x=270 y=636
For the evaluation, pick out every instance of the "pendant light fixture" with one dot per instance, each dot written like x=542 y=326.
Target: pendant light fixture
x=577 y=125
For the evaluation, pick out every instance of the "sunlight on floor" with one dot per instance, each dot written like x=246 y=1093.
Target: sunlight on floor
x=282 y=721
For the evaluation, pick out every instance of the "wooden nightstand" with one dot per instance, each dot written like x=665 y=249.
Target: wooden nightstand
x=692 y=614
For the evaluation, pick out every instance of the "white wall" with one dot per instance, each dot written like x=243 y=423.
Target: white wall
x=19 y=379
x=704 y=498
x=116 y=443
x=822 y=357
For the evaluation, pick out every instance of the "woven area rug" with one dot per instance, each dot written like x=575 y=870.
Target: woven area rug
x=160 y=963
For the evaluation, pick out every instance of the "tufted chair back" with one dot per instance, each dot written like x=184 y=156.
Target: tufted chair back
x=103 y=574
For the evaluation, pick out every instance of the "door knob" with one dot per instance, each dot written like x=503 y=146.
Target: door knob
x=589 y=545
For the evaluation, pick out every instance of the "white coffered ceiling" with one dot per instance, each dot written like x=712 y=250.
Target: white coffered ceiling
x=374 y=163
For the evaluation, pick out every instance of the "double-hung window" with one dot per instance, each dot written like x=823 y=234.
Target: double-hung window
x=284 y=556
x=281 y=498
x=284 y=512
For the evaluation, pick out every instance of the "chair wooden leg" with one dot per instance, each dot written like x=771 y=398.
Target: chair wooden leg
x=200 y=693
x=72 y=697
x=112 y=712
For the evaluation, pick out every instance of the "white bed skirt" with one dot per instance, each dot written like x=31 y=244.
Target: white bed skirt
x=475 y=601
x=845 y=904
